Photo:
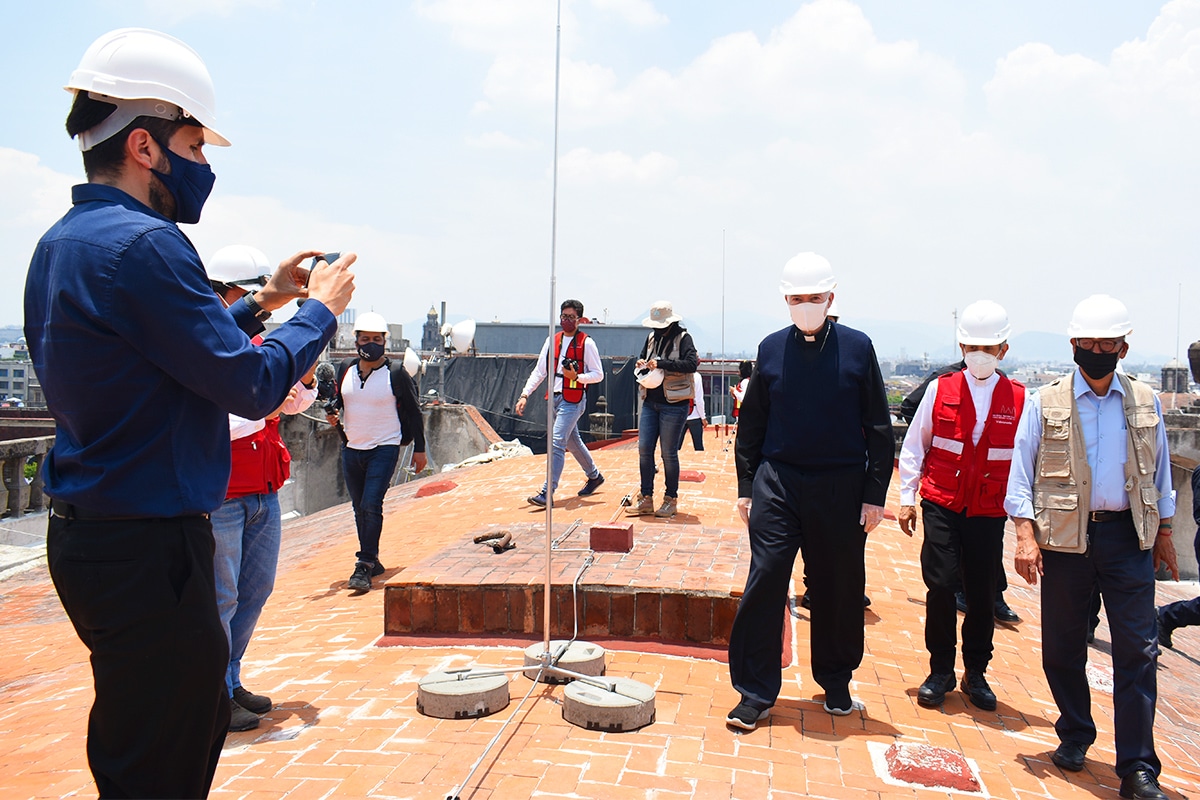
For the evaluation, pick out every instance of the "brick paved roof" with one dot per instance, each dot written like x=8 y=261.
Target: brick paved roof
x=345 y=723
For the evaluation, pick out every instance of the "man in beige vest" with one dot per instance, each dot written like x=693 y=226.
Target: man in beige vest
x=1090 y=494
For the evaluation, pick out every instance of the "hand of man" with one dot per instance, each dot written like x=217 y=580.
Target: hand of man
x=333 y=285
x=332 y=419
x=519 y=408
x=1028 y=559
x=570 y=374
x=1164 y=553
x=870 y=516
x=743 y=509
x=286 y=283
x=292 y=393
x=907 y=519
x=419 y=462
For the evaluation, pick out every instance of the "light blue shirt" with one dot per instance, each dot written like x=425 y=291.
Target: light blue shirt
x=1104 y=433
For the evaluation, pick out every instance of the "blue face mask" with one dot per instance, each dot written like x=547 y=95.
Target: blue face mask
x=189 y=183
x=371 y=351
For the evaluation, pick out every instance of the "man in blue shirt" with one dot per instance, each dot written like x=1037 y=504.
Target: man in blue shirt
x=141 y=364
x=1090 y=494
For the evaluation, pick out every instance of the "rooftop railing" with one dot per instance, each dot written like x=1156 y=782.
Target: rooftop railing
x=19 y=494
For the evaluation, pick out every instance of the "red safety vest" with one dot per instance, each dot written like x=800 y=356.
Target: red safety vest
x=261 y=462
x=959 y=475
x=572 y=391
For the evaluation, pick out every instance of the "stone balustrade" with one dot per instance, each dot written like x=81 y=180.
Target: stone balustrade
x=19 y=495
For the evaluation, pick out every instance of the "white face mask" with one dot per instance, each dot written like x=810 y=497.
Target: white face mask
x=808 y=317
x=981 y=365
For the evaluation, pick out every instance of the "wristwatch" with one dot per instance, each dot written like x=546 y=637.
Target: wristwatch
x=260 y=313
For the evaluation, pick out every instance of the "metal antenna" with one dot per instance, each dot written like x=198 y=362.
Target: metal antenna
x=552 y=366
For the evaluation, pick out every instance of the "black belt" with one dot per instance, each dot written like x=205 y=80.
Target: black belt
x=60 y=508
x=1110 y=516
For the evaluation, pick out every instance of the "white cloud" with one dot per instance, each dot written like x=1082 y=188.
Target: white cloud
x=175 y=11
x=639 y=13
x=583 y=166
x=498 y=140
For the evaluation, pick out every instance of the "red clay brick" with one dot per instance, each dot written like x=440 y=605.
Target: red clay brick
x=398 y=609
x=422 y=609
x=596 y=612
x=495 y=610
x=470 y=611
x=724 y=610
x=446 y=613
x=673 y=624
x=699 y=619
x=620 y=617
x=647 y=614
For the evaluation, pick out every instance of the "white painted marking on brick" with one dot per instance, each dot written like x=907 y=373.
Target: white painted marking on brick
x=878 y=751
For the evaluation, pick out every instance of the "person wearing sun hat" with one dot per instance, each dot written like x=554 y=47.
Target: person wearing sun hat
x=664 y=369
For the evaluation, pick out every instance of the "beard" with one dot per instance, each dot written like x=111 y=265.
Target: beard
x=161 y=199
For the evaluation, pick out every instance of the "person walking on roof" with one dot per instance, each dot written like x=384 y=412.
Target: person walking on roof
x=959 y=448
x=118 y=306
x=664 y=370
x=576 y=361
x=1090 y=495
x=378 y=412
x=814 y=456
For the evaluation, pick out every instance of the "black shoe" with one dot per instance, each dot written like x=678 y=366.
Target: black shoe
x=1069 y=756
x=805 y=601
x=839 y=702
x=1091 y=635
x=866 y=601
x=378 y=569
x=960 y=602
x=591 y=486
x=1164 y=631
x=538 y=499
x=747 y=716
x=241 y=719
x=258 y=703
x=1003 y=613
x=932 y=692
x=360 y=581
x=976 y=688
x=1141 y=785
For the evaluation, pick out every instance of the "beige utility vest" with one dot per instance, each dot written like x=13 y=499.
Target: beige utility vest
x=1062 y=484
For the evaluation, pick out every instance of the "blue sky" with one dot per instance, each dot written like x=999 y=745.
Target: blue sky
x=936 y=151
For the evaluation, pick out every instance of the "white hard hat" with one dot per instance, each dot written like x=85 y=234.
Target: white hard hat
x=649 y=378
x=1100 y=316
x=807 y=273
x=370 y=322
x=832 y=311
x=412 y=362
x=983 y=323
x=239 y=265
x=145 y=73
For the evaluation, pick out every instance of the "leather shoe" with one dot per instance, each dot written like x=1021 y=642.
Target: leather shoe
x=806 y=601
x=241 y=719
x=1069 y=756
x=1003 y=613
x=932 y=692
x=258 y=703
x=976 y=688
x=1141 y=785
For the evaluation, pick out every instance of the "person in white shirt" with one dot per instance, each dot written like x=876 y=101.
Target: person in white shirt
x=577 y=365
x=959 y=447
x=696 y=419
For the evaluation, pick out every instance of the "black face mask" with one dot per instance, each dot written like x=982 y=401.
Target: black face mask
x=1097 y=366
x=371 y=351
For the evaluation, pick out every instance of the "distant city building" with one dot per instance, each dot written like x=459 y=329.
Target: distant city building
x=526 y=338
x=1175 y=377
x=15 y=375
x=431 y=337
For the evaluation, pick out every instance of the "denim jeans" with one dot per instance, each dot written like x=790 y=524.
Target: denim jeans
x=368 y=476
x=246 y=531
x=661 y=423
x=566 y=437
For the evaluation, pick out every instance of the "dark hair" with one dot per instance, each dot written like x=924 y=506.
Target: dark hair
x=745 y=368
x=108 y=157
x=575 y=304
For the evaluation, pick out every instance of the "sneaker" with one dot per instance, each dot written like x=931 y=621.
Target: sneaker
x=591 y=486
x=241 y=719
x=258 y=703
x=1164 y=631
x=667 y=509
x=976 y=688
x=538 y=499
x=360 y=581
x=839 y=702
x=378 y=569
x=642 y=505
x=746 y=716
x=932 y=693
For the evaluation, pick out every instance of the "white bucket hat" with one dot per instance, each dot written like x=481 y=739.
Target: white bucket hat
x=661 y=315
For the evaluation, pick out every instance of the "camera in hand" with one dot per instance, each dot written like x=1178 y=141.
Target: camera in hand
x=570 y=364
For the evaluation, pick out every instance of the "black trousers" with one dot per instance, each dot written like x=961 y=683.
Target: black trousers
x=696 y=426
x=141 y=596
x=1125 y=573
x=820 y=509
x=1182 y=613
x=959 y=552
